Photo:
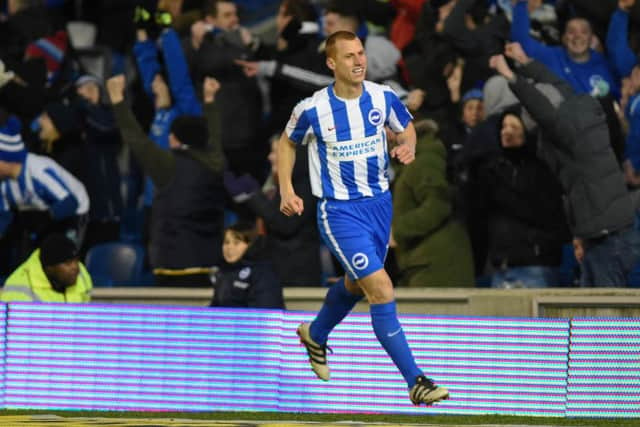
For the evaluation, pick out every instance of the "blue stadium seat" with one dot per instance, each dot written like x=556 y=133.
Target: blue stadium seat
x=115 y=264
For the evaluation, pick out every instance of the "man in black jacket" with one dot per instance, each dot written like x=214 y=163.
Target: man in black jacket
x=187 y=219
x=576 y=147
x=295 y=66
x=241 y=118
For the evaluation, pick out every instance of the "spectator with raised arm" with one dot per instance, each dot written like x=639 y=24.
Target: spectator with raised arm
x=474 y=41
x=585 y=69
x=430 y=60
x=188 y=204
x=295 y=66
x=220 y=40
x=626 y=63
x=103 y=147
x=171 y=89
x=576 y=147
x=622 y=57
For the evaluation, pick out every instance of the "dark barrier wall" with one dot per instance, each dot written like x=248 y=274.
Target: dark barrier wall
x=199 y=359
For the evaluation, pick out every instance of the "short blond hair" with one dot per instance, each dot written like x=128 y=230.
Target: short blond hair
x=330 y=48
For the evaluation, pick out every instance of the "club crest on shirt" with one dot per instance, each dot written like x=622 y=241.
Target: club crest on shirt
x=599 y=86
x=244 y=273
x=375 y=116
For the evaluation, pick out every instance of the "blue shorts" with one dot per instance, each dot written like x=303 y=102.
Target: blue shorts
x=357 y=232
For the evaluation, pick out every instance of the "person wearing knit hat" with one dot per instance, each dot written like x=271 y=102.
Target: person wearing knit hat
x=12 y=148
x=89 y=87
x=63 y=118
x=51 y=48
x=464 y=117
x=474 y=93
x=62 y=139
x=472 y=108
x=52 y=273
x=189 y=131
x=37 y=192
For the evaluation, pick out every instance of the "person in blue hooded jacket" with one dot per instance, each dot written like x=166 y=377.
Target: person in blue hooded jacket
x=585 y=69
x=620 y=54
x=626 y=64
x=171 y=98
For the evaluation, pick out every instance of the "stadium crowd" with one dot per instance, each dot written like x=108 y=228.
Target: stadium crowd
x=154 y=122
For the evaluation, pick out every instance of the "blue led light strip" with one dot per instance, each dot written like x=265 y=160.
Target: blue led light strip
x=604 y=368
x=201 y=359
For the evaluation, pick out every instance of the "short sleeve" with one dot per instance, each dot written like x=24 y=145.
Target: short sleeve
x=398 y=116
x=298 y=125
x=49 y=186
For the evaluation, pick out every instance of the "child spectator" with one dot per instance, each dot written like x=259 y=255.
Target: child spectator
x=245 y=278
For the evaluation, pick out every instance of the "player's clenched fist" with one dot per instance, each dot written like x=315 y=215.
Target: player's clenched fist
x=405 y=153
x=291 y=204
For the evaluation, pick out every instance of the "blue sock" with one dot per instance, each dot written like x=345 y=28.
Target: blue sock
x=390 y=334
x=337 y=304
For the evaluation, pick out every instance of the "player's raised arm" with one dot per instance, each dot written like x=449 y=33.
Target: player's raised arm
x=290 y=203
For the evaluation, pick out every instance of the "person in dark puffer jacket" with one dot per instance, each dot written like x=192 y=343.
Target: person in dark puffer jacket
x=522 y=201
x=188 y=206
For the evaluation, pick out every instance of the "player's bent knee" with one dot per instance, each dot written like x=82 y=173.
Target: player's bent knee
x=377 y=287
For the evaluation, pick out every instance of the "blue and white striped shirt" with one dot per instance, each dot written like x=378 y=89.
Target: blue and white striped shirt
x=348 y=156
x=44 y=185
